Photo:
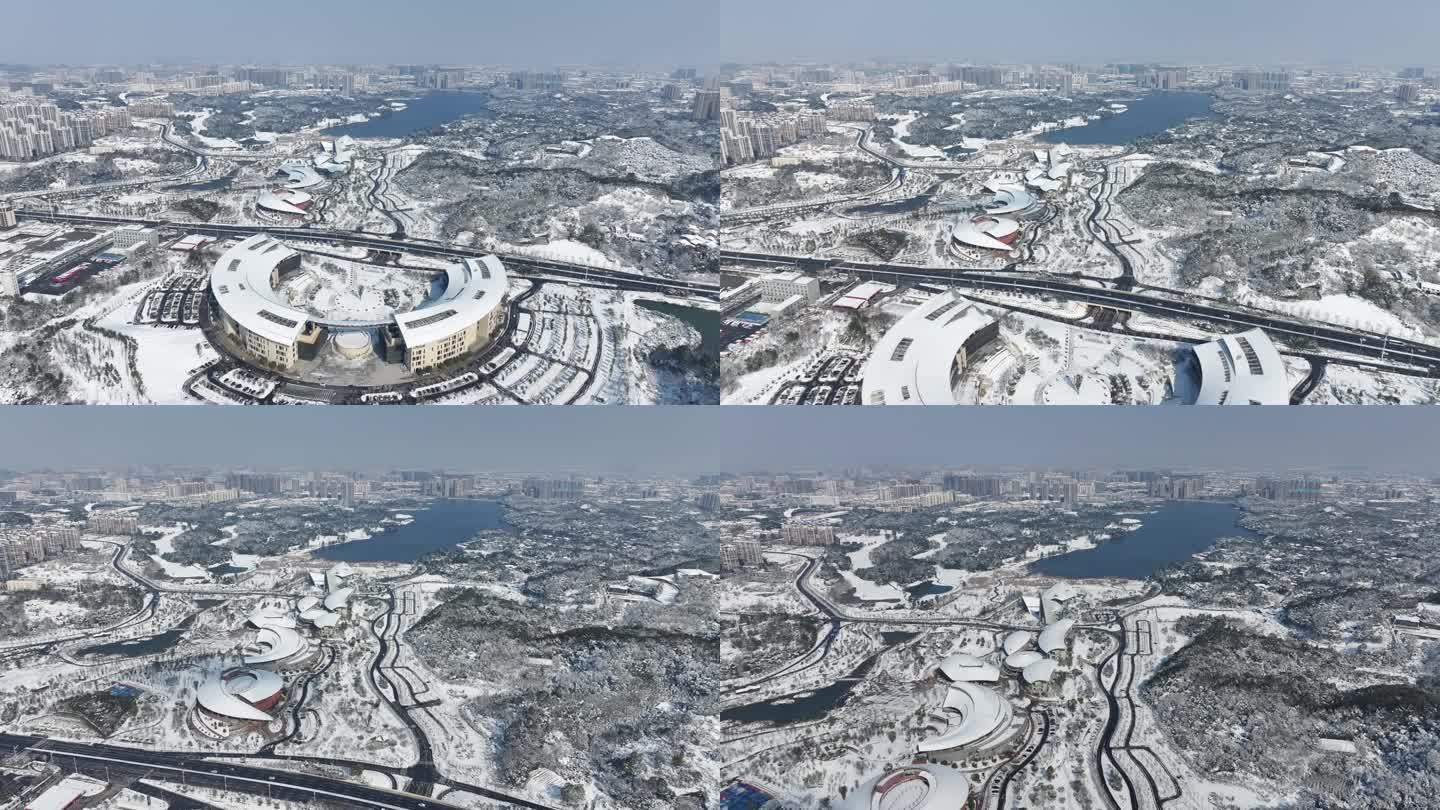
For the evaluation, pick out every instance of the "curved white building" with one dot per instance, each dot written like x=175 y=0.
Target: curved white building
x=963 y=667
x=336 y=156
x=285 y=201
x=1040 y=671
x=1011 y=200
x=986 y=232
x=1016 y=641
x=244 y=281
x=920 y=359
x=1241 y=369
x=338 y=599
x=243 y=285
x=300 y=174
x=977 y=717
x=266 y=616
x=462 y=318
x=241 y=694
x=320 y=617
x=911 y=787
x=276 y=643
x=1053 y=600
x=1054 y=637
x=1016 y=662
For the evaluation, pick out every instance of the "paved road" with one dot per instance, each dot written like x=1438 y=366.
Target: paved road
x=1424 y=356
x=567 y=270
x=113 y=762
x=1002 y=795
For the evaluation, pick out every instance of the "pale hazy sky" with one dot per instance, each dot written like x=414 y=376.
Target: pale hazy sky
x=688 y=440
x=634 y=32
x=1087 y=31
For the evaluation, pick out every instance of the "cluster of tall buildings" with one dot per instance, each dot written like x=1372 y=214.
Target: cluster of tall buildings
x=740 y=553
x=1262 y=81
x=152 y=108
x=201 y=491
x=747 y=136
x=34 y=544
x=1177 y=488
x=978 y=486
x=1162 y=78
x=1289 y=490
x=806 y=533
x=122 y=523
x=553 y=489
x=33 y=128
x=535 y=80
x=706 y=106
x=1064 y=488
x=851 y=111
x=442 y=78
x=214 y=84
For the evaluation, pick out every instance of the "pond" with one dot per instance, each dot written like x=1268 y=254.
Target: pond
x=145 y=645
x=705 y=321
x=801 y=707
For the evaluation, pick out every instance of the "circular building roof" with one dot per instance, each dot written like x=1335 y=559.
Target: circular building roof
x=911 y=787
x=966 y=667
x=1016 y=641
x=1022 y=659
x=234 y=693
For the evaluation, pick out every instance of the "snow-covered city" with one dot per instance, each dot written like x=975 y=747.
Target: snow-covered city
x=983 y=635
x=903 y=232
x=385 y=234
x=198 y=635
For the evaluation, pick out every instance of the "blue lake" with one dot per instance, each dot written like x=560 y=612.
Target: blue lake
x=437 y=527
x=421 y=113
x=1147 y=115
x=1174 y=533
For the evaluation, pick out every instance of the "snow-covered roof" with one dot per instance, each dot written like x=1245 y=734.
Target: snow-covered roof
x=983 y=713
x=984 y=231
x=300 y=174
x=473 y=290
x=240 y=282
x=1052 y=638
x=966 y=667
x=1242 y=369
x=911 y=787
x=306 y=603
x=320 y=617
x=284 y=201
x=1016 y=641
x=1009 y=200
x=336 y=157
x=1040 y=671
x=337 y=600
x=231 y=694
x=1022 y=659
x=275 y=643
x=912 y=362
x=1053 y=599
x=267 y=616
